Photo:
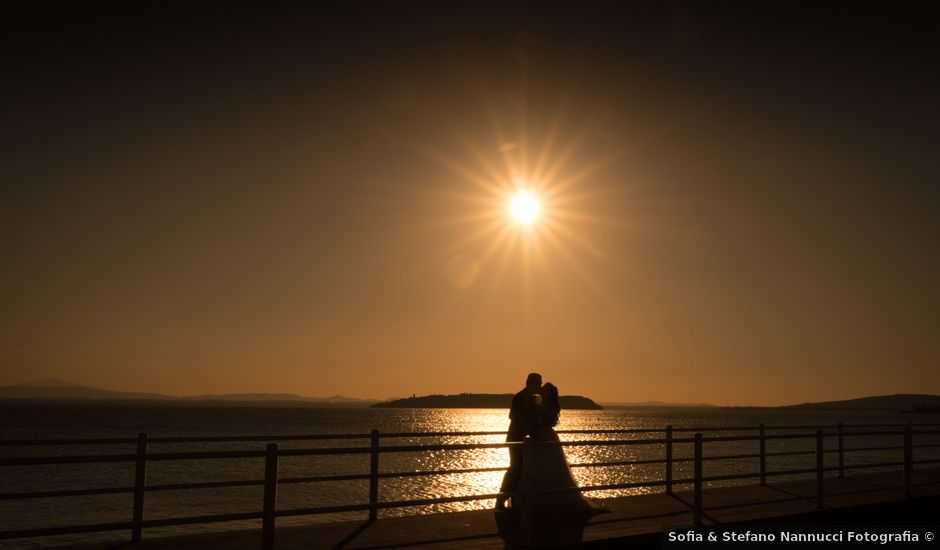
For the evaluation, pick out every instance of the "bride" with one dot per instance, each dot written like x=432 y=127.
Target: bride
x=547 y=468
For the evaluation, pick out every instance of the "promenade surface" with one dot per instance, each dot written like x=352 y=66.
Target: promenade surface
x=631 y=516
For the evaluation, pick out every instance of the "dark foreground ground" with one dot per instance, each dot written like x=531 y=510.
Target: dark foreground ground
x=635 y=522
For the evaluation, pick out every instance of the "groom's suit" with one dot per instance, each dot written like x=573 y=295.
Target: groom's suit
x=522 y=415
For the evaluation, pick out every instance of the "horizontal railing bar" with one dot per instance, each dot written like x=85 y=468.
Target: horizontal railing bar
x=715 y=429
x=88 y=459
x=441 y=472
x=729 y=457
x=327 y=451
x=205 y=485
x=201 y=455
x=925 y=446
x=866 y=433
x=791 y=472
x=265 y=438
x=221 y=484
x=311 y=437
x=625 y=431
x=891 y=448
x=396 y=449
x=925 y=461
x=926 y=483
x=38 y=442
x=728 y=477
x=793 y=453
x=198 y=455
x=397 y=435
x=381 y=505
x=79 y=459
x=790 y=436
x=67 y=493
x=613 y=486
x=215 y=518
x=619 y=463
x=717 y=438
x=323 y=510
x=860 y=466
x=316 y=479
x=447 y=447
x=70 y=530
x=609 y=487
x=440 y=500
x=602 y=442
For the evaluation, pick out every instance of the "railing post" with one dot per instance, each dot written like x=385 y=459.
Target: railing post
x=908 y=458
x=841 y=452
x=525 y=537
x=374 y=477
x=763 y=454
x=140 y=481
x=669 y=459
x=698 y=479
x=270 y=497
x=820 y=487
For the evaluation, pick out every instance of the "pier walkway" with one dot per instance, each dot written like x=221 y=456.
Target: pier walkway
x=858 y=499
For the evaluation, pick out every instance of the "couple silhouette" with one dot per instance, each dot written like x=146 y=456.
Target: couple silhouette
x=545 y=472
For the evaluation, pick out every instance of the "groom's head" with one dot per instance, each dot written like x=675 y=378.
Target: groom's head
x=533 y=382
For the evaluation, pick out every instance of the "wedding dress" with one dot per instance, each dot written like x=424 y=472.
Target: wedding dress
x=548 y=470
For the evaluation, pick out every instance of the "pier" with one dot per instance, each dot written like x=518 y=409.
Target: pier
x=761 y=495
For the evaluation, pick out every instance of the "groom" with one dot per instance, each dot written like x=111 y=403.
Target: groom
x=522 y=416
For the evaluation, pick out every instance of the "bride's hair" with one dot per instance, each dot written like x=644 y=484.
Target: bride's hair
x=551 y=405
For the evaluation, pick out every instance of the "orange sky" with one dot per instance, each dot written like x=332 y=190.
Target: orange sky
x=327 y=215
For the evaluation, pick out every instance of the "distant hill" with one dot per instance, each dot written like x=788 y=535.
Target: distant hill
x=61 y=390
x=654 y=404
x=900 y=402
x=58 y=389
x=478 y=401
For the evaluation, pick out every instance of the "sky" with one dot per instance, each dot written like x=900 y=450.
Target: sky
x=738 y=203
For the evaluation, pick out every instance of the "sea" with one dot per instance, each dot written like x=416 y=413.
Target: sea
x=25 y=420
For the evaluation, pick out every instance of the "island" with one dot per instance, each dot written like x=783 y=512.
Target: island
x=478 y=401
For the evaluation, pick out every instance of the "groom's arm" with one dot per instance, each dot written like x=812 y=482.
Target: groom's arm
x=514 y=408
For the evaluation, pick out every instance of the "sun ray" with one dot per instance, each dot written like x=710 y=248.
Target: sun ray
x=473 y=237
x=577 y=238
x=574 y=216
x=566 y=153
x=501 y=140
x=584 y=196
x=486 y=183
x=500 y=239
x=454 y=221
x=581 y=175
x=548 y=145
x=507 y=254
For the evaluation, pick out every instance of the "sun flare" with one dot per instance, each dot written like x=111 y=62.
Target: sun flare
x=524 y=207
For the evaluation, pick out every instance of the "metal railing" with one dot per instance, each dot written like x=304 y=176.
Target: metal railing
x=272 y=452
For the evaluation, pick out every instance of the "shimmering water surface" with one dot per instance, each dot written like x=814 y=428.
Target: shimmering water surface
x=59 y=420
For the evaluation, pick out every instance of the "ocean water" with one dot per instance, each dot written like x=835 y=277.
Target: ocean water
x=37 y=420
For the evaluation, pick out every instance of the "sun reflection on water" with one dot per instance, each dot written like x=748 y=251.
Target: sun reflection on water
x=479 y=483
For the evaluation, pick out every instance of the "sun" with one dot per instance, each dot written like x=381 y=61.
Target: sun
x=524 y=207
x=525 y=203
